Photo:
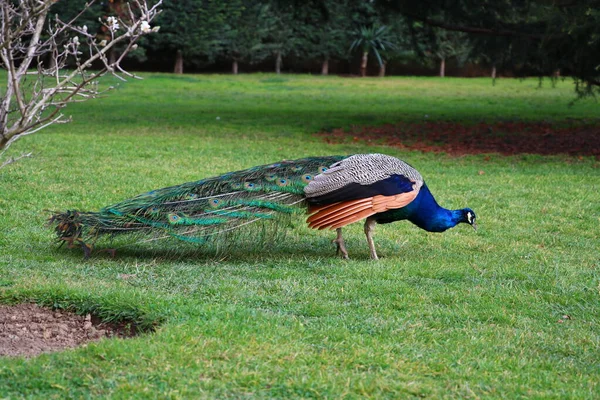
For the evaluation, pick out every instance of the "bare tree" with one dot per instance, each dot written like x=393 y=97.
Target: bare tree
x=49 y=62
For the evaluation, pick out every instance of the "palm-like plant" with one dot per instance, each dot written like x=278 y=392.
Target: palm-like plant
x=451 y=44
x=371 y=39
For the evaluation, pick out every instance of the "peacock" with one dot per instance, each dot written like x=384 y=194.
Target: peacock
x=335 y=191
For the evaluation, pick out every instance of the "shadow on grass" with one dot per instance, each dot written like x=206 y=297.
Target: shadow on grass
x=176 y=251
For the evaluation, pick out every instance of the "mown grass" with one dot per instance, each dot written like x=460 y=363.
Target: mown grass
x=461 y=314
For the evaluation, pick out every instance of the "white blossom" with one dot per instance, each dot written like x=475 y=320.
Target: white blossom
x=145 y=27
x=84 y=28
x=156 y=29
x=102 y=43
x=75 y=41
x=112 y=23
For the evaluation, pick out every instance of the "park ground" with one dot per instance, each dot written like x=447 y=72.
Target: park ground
x=510 y=311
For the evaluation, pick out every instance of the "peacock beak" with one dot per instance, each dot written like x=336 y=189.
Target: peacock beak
x=474 y=225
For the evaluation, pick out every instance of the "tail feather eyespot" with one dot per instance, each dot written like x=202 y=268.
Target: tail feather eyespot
x=283 y=182
x=214 y=202
x=250 y=186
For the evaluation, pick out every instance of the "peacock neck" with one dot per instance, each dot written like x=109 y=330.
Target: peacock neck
x=429 y=215
x=424 y=212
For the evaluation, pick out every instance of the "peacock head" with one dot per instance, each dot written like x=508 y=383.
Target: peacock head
x=469 y=217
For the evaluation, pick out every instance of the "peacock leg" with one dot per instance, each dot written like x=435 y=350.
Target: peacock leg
x=87 y=249
x=369 y=227
x=341 y=246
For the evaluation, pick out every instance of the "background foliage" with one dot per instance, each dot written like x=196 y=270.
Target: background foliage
x=532 y=37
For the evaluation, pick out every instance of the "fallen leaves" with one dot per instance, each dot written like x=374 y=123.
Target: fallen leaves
x=564 y=318
x=508 y=138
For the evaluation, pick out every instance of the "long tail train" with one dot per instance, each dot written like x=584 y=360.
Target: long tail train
x=197 y=211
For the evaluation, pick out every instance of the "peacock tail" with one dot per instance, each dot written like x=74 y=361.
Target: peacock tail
x=197 y=211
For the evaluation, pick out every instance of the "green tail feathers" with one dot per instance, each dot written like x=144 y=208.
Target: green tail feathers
x=197 y=211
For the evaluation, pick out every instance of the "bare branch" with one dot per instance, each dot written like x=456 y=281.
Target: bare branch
x=15 y=159
x=8 y=12
x=29 y=132
x=29 y=105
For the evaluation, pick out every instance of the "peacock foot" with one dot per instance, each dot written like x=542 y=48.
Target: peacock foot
x=73 y=242
x=111 y=252
x=341 y=246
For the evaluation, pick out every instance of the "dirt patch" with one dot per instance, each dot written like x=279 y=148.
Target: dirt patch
x=455 y=138
x=29 y=330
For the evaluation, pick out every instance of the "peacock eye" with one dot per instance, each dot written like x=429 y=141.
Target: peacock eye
x=322 y=169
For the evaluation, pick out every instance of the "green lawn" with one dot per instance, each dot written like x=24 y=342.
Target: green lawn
x=453 y=315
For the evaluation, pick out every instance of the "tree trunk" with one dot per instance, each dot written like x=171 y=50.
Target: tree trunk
x=234 y=67
x=382 y=70
x=112 y=57
x=363 y=64
x=178 y=62
x=325 y=67
x=442 y=67
x=278 y=63
x=51 y=63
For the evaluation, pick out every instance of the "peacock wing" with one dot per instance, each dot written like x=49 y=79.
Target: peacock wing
x=359 y=187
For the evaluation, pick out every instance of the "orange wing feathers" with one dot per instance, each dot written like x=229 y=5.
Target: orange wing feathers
x=338 y=215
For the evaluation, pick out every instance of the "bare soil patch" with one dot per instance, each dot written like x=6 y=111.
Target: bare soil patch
x=455 y=138
x=29 y=330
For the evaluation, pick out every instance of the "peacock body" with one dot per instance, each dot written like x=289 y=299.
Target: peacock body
x=336 y=191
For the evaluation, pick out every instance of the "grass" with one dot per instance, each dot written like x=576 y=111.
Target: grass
x=456 y=315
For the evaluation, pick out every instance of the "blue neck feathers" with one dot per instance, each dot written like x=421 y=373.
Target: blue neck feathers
x=425 y=212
